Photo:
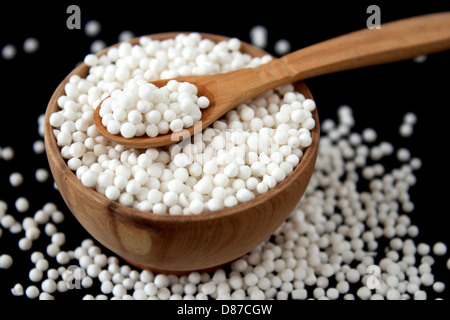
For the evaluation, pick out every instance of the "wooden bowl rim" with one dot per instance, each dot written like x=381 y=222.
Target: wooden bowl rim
x=310 y=153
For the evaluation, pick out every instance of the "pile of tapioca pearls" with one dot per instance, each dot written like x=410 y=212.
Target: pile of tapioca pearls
x=327 y=249
x=238 y=158
x=141 y=108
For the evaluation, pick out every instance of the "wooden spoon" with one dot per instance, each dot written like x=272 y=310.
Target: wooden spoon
x=394 y=41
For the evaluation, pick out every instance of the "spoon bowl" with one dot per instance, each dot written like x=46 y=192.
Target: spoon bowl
x=179 y=244
x=143 y=142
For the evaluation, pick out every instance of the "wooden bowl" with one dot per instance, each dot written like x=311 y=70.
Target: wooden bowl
x=178 y=244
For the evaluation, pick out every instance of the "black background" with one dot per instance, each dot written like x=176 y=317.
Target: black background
x=379 y=95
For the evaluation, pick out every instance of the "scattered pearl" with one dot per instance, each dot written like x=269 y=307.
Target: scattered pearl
x=92 y=28
x=439 y=287
x=7 y=153
x=32 y=292
x=49 y=286
x=125 y=36
x=17 y=290
x=420 y=59
x=439 y=249
x=5 y=261
x=420 y=295
x=46 y=296
x=15 y=179
x=25 y=244
x=9 y=52
x=41 y=175
x=22 y=204
x=35 y=275
x=258 y=36
x=31 y=45
x=97 y=46
x=282 y=47
x=406 y=130
x=403 y=155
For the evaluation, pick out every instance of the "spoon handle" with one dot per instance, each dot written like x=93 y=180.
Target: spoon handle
x=394 y=41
